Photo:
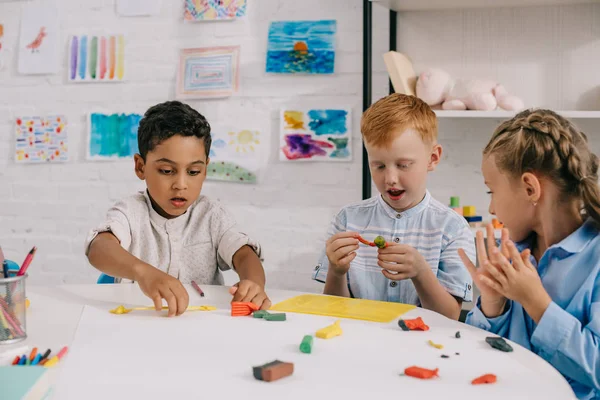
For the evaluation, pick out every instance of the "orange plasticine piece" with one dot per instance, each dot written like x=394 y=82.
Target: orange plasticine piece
x=416 y=324
x=239 y=308
x=421 y=373
x=487 y=378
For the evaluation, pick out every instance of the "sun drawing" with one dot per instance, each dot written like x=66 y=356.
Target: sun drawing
x=244 y=141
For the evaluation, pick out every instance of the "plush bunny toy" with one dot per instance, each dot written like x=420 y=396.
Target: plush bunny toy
x=435 y=87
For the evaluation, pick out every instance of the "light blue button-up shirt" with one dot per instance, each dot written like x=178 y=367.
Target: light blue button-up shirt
x=436 y=231
x=568 y=335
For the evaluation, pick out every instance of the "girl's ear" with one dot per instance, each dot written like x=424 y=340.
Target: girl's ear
x=140 y=166
x=532 y=185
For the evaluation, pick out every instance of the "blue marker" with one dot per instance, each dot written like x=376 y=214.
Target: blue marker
x=36 y=360
x=22 y=360
x=5 y=268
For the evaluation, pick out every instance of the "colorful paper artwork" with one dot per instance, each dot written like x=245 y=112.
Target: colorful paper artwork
x=212 y=10
x=301 y=47
x=112 y=136
x=208 y=72
x=38 y=44
x=234 y=155
x=315 y=135
x=41 y=139
x=96 y=58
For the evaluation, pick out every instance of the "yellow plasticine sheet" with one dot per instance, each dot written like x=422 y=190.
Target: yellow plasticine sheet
x=343 y=307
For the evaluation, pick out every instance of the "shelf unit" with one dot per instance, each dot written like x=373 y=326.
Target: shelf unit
x=396 y=6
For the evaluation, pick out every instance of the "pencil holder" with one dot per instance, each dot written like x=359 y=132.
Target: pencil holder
x=12 y=309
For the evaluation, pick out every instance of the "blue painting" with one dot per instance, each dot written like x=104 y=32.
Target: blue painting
x=301 y=47
x=315 y=135
x=112 y=136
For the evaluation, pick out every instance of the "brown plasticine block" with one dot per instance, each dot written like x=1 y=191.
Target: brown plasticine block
x=273 y=371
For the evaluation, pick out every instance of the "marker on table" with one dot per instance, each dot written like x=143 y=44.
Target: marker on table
x=195 y=285
x=54 y=360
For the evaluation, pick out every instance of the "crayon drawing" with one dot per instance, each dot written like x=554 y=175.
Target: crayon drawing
x=315 y=135
x=301 y=47
x=112 y=136
x=96 y=58
x=41 y=139
x=234 y=155
x=208 y=72
x=38 y=43
x=212 y=10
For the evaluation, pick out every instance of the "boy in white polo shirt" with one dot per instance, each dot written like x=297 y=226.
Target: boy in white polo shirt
x=169 y=234
x=420 y=264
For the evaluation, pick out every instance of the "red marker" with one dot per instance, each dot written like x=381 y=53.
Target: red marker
x=27 y=261
x=195 y=285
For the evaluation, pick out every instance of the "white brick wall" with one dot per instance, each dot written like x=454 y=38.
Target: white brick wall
x=53 y=206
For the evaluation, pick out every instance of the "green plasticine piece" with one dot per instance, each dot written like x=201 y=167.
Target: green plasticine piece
x=402 y=325
x=306 y=345
x=260 y=314
x=499 y=343
x=380 y=242
x=275 y=317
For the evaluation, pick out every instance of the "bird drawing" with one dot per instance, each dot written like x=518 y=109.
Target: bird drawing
x=37 y=42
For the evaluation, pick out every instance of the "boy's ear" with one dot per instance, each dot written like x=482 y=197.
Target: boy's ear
x=140 y=166
x=532 y=185
x=435 y=157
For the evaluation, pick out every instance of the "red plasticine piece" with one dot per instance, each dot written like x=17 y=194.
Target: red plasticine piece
x=487 y=378
x=421 y=373
x=416 y=324
x=364 y=241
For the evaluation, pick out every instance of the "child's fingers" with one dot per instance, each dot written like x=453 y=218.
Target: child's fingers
x=491 y=242
x=259 y=299
x=170 y=298
x=343 y=243
x=266 y=304
x=182 y=297
x=240 y=293
x=496 y=273
x=157 y=299
x=344 y=251
x=395 y=277
x=503 y=242
x=516 y=256
x=346 y=259
x=470 y=266
x=481 y=250
x=401 y=268
x=252 y=292
x=492 y=284
x=232 y=290
x=526 y=261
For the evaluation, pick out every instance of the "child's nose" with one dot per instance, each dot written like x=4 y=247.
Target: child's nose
x=180 y=183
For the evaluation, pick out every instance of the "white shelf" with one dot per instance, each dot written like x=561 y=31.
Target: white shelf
x=501 y=114
x=416 y=5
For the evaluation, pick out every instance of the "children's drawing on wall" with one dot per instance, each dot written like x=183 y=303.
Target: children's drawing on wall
x=315 y=135
x=38 y=43
x=211 y=10
x=234 y=155
x=138 y=8
x=112 y=136
x=208 y=72
x=41 y=139
x=96 y=58
x=301 y=47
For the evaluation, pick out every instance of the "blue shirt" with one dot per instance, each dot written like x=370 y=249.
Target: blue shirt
x=568 y=335
x=435 y=230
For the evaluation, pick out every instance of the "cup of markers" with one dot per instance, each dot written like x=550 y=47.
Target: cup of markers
x=13 y=301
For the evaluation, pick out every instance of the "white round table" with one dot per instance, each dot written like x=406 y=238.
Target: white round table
x=143 y=355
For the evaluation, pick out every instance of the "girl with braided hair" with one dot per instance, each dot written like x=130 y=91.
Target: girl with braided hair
x=541 y=287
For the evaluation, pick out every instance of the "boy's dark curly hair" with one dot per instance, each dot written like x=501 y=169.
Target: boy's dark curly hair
x=168 y=119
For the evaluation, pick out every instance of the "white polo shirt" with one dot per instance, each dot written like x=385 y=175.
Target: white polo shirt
x=197 y=245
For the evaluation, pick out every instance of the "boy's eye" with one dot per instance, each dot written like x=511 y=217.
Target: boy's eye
x=194 y=173
x=165 y=171
x=404 y=166
x=489 y=192
x=380 y=166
